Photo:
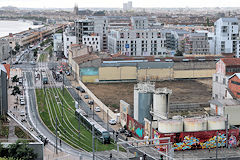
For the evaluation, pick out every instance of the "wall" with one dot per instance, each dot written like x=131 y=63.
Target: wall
x=98 y=102
x=233 y=114
x=124 y=111
x=89 y=74
x=117 y=73
x=136 y=128
x=155 y=74
x=234 y=87
x=203 y=73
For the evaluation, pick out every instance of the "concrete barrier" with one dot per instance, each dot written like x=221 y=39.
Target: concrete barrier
x=98 y=102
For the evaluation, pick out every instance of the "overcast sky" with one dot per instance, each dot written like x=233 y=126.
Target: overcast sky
x=118 y=3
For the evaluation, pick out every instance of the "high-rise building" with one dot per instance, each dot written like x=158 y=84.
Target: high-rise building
x=75 y=10
x=226 y=36
x=127 y=6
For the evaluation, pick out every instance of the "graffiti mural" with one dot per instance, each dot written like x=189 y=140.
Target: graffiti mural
x=135 y=127
x=198 y=140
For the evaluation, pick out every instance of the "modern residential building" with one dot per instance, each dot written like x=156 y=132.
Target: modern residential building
x=196 y=44
x=138 y=42
x=83 y=27
x=58 y=44
x=139 y=22
x=4 y=49
x=69 y=38
x=92 y=41
x=227 y=36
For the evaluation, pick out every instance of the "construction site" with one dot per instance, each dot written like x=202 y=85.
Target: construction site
x=185 y=91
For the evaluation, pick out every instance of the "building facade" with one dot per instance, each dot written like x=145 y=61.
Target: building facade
x=137 y=42
x=226 y=35
x=69 y=38
x=58 y=44
x=4 y=49
x=3 y=90
x=93 y=41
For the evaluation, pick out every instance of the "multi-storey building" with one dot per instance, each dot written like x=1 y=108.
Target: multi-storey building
x=225 y=68
x=139 y=22
x=4 y=49
x=69 y=38
x=3 y=88
x=196 y=43
x=83 y=27
x=138 y=42
x=58 y=44
x=93 y=41
x=226 y=35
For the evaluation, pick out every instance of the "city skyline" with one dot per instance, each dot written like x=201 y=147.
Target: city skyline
x=118 y=4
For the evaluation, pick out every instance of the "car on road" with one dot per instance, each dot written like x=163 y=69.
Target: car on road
x=86 y=96
x=80 y=89
x=90 y=102
x=112 y=121
x=22 y=113
x=22 y=102
x=97 y=109
x=128 y=133
x=32 y=63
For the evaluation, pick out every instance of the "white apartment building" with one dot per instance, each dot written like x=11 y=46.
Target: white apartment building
x=139 y=22
x=69 y=38
x=146 y=42
x=226 y=36
x=93 y=41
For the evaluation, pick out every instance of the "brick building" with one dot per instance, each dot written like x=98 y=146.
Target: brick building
x=234 y=85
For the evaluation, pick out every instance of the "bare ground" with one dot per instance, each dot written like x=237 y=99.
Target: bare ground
x=184 y=91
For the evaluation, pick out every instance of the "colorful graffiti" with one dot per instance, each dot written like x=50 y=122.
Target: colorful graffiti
x=135 y=127
x=198 y=140
x=194 y=143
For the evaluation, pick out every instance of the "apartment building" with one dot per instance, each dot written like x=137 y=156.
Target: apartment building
x=4 y=72
x=69 y=38
x=4 y=49
x=139 y=22
x=137 y=42
x=227 y=36
x=93 y=41
x=196 y=43
x=83 y=27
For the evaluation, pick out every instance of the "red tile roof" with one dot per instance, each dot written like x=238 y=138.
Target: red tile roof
x=231 y=61
x=85 y=58
x=7 y=67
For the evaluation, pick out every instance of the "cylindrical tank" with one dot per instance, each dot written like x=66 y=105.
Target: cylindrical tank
x=145 y=100
x=195 y=124
x=170 y=126
x=216 y=123
x=160 y=104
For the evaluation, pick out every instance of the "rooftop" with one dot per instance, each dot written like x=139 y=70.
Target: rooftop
x=225 y=102
x=229 y=19
x=231 y=61
x=85 y=58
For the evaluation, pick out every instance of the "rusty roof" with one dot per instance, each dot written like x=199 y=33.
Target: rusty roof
x=85 y=58
x=231 y=61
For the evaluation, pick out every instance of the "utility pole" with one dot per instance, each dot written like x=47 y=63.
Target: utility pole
x=226 y=127
x=93 y=109
x=107 y=122
x=79 y=125
x=56 y=136
x=93 y=140
x=62 y=109
x=217 y=146
x=63 y=83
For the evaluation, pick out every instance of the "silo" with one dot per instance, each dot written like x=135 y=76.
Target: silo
x=143 y=97
x=195 y=124
x=170 y=126
x=161 y=99
x=216 y=123
x=145 y=100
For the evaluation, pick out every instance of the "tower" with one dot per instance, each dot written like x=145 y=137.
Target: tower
x=75 y=10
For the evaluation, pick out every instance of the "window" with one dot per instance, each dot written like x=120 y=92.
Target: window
x=234 y=82
x=224 y=80
x=216 y=79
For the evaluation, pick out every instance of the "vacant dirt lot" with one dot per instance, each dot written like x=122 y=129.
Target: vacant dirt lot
x=184 y=91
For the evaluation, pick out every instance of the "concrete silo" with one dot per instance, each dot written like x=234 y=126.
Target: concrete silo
x=161 y=100
x=143 y=101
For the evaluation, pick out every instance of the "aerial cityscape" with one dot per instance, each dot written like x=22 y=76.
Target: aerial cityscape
x=116 y=80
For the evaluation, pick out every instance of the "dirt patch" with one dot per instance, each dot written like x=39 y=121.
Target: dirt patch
x=184 y=91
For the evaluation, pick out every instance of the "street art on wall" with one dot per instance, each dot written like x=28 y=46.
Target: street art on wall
x=124 y=111
x=135 y=127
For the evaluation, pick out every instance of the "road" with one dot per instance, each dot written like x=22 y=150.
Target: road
x=37 y=123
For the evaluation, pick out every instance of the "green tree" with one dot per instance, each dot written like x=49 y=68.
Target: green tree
x=15 y=79
x=208 y=24
x=17 y=47
x=20 y=150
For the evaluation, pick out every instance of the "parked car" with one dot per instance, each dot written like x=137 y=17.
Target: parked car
x=90 y=102
x=32 y=63
x=97 y=109
x=121 y=130
x=86 y=96
x=80 y=89
x=128 y=133
x=112 y=121
x=22 y=102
